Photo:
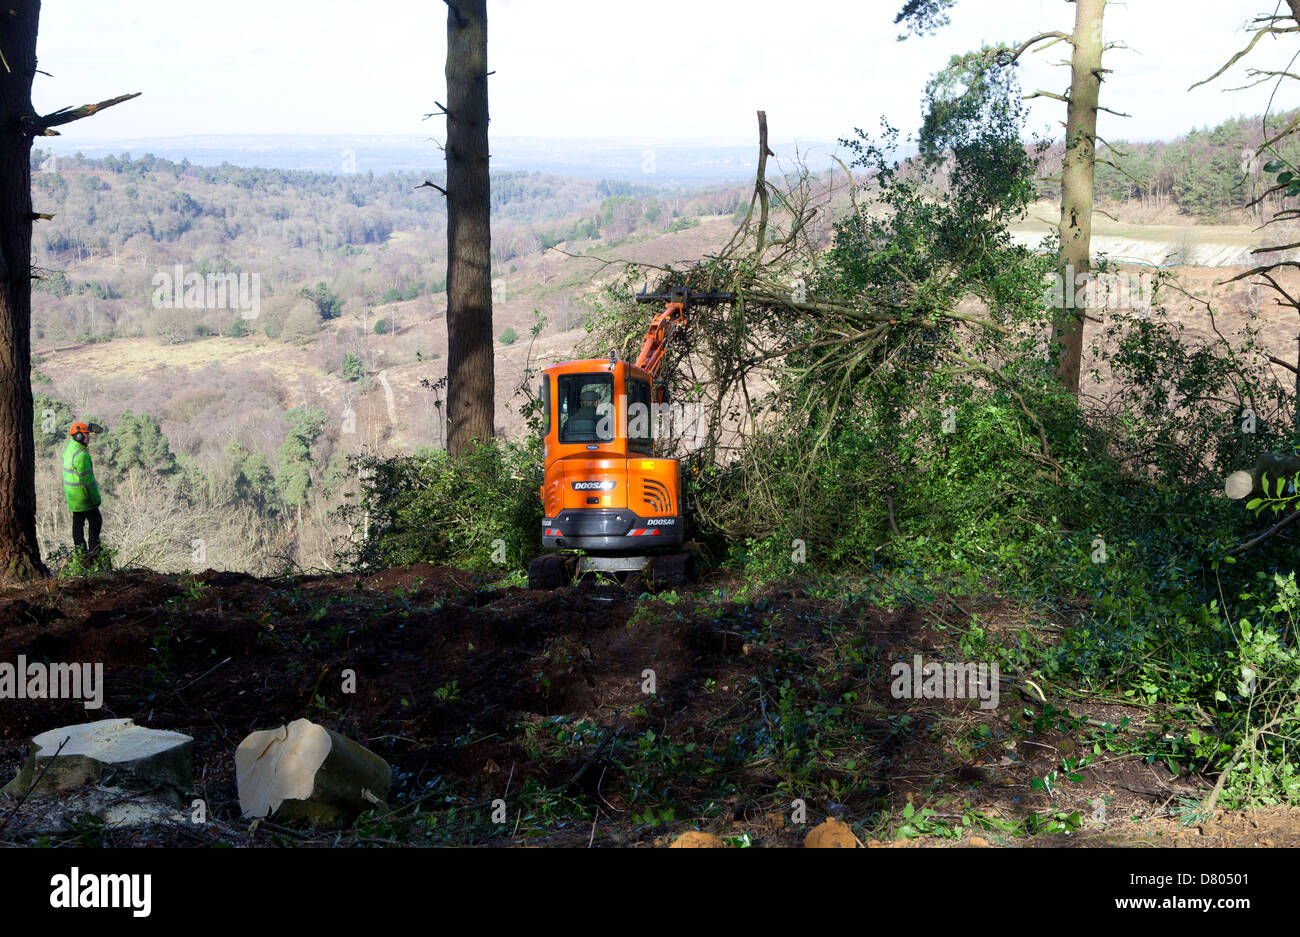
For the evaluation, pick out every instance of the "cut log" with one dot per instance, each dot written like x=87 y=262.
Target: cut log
x=1248 y=484
x=304 y=771
x=111 y=750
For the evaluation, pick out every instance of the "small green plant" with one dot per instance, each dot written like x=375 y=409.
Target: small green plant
x=652 y=818
x=73 y=562
x=643 y=615
x=191 y=587
x=508 y=337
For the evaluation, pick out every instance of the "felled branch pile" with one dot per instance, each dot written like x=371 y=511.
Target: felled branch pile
x=804 y=347
x=795 y=340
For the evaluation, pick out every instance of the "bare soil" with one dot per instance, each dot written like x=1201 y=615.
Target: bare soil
x=473 y=693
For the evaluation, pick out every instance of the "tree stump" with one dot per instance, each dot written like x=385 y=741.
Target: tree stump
x=111 y=750
x=304 y=771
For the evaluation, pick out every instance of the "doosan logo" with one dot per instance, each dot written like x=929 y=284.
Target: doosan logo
x=594 y=486
x=75 y=890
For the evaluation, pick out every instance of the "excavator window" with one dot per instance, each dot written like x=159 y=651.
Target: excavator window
x=640 y=417
x=586 y=407
x=544 y=395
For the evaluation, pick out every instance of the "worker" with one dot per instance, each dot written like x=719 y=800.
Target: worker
x=80 y=488
x=586 y=423
x=590 y=398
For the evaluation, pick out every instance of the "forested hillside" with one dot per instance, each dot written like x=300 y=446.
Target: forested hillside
x=250 y=405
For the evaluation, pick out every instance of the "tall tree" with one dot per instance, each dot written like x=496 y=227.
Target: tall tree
x=469 y=237
x=1077 y=175
x=20 y=556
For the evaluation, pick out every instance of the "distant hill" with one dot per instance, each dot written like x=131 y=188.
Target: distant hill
x=640 y=161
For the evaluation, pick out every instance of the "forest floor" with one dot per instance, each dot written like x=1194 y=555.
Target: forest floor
x=475 y=693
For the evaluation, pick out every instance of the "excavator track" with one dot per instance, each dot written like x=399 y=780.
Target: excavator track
x=651 y=573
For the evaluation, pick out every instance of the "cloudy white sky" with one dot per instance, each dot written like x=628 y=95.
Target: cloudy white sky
x=610 y=69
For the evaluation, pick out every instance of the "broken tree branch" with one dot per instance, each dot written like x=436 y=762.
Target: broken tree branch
x=39 y=126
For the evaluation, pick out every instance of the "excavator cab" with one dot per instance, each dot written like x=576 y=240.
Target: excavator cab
x=607 y=491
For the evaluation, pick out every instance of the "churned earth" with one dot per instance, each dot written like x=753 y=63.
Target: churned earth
x=595 y=715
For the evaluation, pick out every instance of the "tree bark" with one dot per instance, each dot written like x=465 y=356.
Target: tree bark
x=1077 y=182
x=469 y=240
x=20 y=555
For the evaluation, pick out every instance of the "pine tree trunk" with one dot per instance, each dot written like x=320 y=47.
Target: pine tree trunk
x=469 y=239
x=20 y=555
x=1077 y=182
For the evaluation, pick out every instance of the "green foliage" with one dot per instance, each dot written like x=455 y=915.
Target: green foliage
x=508 y=337
x=68 y=562
x=51 y=418
x=381 y=326
x=250 y=476
x=353 y=370
x=923 y=17
x=327 y=302
x=137 y=442
x=293 y=480
x=1201 y=173
x=431 y=507
x=56 y=283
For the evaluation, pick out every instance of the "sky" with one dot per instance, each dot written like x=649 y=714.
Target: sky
x=667 y=71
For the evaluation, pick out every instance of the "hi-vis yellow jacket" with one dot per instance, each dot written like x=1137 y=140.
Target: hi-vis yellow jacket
x=79 y=485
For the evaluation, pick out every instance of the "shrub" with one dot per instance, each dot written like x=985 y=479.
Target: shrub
x=431 y=507
x=508 y=337
x=303 y=321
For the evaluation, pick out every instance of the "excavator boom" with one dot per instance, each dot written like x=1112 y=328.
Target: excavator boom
x=668 y=322
x=658 y=336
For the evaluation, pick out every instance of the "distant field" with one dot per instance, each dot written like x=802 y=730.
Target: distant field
x=1161 y=245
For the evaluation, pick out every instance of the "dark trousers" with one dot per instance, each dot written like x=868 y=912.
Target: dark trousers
x=79 y=519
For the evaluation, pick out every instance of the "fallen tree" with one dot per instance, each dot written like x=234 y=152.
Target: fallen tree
x=1272 y=468
x=877 y=325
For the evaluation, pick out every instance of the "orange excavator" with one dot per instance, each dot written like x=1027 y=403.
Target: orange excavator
x=607 y=491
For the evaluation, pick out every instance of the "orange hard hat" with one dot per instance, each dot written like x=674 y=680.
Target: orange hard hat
x=79 y=428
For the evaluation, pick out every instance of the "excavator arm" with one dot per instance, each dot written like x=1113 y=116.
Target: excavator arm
x=666 y=324
x=658 y=336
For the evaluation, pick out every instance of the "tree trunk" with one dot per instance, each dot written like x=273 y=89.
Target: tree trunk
x=20 y=555
x=1248 y=483
x=1077 y=183
x=469 y=239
